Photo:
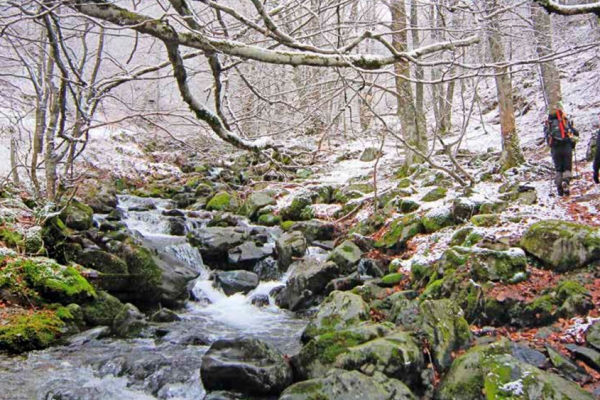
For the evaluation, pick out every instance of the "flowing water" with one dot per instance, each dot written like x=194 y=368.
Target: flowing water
x=166 y=363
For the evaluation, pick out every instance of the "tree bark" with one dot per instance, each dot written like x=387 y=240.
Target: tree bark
x=542 y=25
x=413 y=134
x=512 y=154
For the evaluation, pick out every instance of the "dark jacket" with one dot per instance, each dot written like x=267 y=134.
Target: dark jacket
x=597 y=156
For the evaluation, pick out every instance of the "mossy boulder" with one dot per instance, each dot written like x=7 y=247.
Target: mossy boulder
x=320 y=353
x=222 y=201
x=289 y=245
x=42 y=280
x=447 y=331
x=30 y=331
x=257 y=201
x=296 y=211
x=437 y=219
x=129 y=322
x=346 y=256
x=406 y=205
x=491 y=372
x=102 y=310
x=397 y=355
x=269 y=220
x=339 y=310
x=463 y=208
x=77 y=216
x=485 y=220
x=391 y=279
x=101 y=261
x=400 y=232
x=435 y=194
x=592 y=336
x=485 y=264
x=33 y=242
x=145 y=271
x=561 y=245
x=342 y=385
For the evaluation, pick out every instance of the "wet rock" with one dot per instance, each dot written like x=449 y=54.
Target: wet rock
x=561 y=245
x=343 y=385
x=89 y=335
x=183 y=200
x=315 y=230
x=245 y=365
x=566 y=367
x=129 y=322
x=247 y=255
x=306 y=283
x=115 y=215
x=103 y=202
x=492 y=369
x=370 y=267
x=340 y=310
x=260 y=300
x=344 y=284
x=165 y=315
x=236 y=281
x=267 y=269
x=142 y=208
x=346 y=256
x=485 y=264
x=589 y=356
x=177 y=226
x=102 y=311
x=214 y=242
x=446 y=329
x=175 y=277
x=289 y=245
x=173 y=213
x=276 y=290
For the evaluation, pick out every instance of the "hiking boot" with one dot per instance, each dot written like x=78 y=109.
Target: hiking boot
x=565 y=188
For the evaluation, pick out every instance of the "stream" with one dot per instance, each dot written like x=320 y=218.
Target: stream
x=165 y=362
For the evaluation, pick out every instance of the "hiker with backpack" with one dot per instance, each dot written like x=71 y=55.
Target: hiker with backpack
x=561 y=136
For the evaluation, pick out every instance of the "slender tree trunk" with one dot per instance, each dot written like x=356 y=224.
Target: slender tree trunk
x=411 y=132
x=512 y=154
x=542 y=25
x=13 y=159
x=49 y=151
x=419 y=73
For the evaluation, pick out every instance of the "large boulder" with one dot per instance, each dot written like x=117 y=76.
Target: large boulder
x=592 y=336
x=321 y=353
x=101 y=261
x=236 y=281
x=397 y=356
x=298 y=210
x=437 y=219
x=343 y=385
x=222 y=201
x=246 y=255
x=245 y=365
x=307 y=281
x=340 y=310
x=289 y=245
x=315 y=230
x=491 y=372
x=485 y=264
x=346 y=256
x=446 y=329
x=400 y=232
x=214 y=242
x=77 y=216
x=561 y=245
x=129 y=322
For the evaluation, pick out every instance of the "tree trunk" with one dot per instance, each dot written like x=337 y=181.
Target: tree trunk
x=412 y=133
x=13 y=159
x=512 y=155
x=542 y=25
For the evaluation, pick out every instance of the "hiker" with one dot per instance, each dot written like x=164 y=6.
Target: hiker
x=597 y=158
x=561 y=136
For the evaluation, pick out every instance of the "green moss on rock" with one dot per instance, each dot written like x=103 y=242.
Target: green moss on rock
x=31 y=331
